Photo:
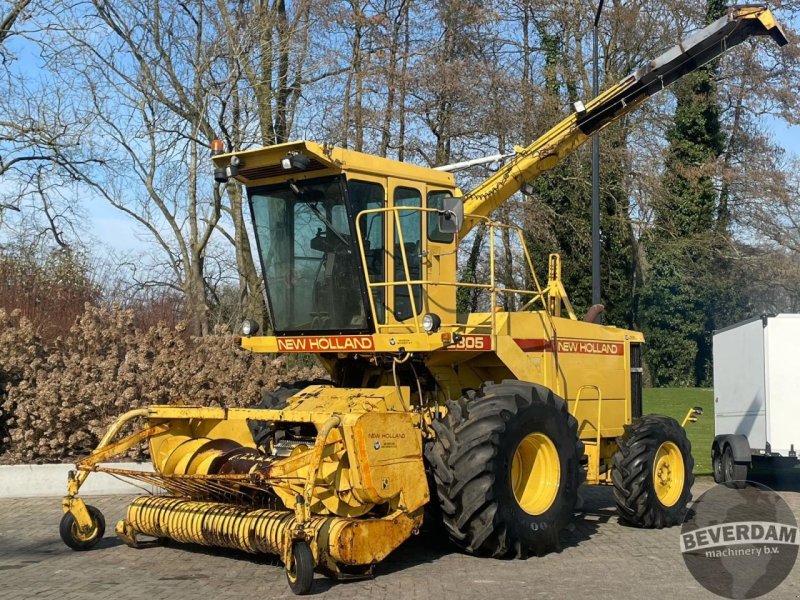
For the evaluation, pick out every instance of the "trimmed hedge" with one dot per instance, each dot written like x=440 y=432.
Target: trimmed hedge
x=58 y=398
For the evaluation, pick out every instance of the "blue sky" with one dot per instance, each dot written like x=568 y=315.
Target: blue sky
x=786 y=135
x=113 y=229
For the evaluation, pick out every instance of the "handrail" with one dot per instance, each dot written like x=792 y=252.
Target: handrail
x=599 y=410
x=537 y=295
x=398 y=230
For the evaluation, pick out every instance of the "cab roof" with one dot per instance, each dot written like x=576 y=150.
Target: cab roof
x=262 y=166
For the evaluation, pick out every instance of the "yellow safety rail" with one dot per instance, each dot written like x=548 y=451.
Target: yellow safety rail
x=692 y=415
x=539 y=295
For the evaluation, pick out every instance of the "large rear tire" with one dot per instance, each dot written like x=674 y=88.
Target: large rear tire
x=506 y=466
x=653 y=473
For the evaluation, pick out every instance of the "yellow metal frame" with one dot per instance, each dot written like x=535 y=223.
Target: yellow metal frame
x=692 y=415
x=552 y=296
x=71 y=503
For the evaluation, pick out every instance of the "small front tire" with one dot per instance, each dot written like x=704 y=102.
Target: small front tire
x=73 y=537
x=300 y=570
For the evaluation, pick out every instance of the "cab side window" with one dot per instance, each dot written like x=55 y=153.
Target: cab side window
x=365 y=195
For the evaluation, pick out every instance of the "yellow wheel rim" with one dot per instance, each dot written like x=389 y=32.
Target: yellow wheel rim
x=535 y=473
x=80 y=535
x=668 y=473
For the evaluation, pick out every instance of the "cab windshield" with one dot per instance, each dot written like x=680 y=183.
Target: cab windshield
x=309 y=258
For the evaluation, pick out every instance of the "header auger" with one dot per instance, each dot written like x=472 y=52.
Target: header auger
x=491 y=419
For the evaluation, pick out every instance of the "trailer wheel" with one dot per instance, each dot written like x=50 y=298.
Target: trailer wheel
x=300 y=570
x=734 y=474
x=76 y=539
x=653 y=473
x=506 y=466
x=716 y=464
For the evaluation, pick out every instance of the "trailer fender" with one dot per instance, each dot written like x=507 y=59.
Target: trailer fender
x=738 y=444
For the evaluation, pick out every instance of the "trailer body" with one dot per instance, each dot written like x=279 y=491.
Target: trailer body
x=757 y=390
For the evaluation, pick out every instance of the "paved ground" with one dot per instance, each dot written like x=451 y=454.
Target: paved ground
x=601 y=559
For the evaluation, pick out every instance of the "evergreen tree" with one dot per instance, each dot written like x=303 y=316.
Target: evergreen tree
x=566 y=191
x=689 y=288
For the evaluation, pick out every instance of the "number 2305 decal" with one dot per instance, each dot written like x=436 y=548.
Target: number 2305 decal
x=472 y=343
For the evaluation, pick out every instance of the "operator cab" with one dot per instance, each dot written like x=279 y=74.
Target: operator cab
x=329 y=266
x=309 y=259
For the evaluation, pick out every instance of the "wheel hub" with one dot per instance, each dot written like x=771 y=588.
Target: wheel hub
x=535 y=473
x=668 y=473
x=84 y=534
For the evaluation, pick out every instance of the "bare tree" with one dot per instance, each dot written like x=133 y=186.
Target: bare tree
x=40 y=133
x=10 y=13
x=149 y=85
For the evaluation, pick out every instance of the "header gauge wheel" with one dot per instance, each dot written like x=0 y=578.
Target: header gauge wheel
x=506 y=466
x=653 y=473
x=300 y=571
x=76 y=538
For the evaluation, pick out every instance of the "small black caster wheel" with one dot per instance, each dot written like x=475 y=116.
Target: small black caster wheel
x=76 y=539
x=300 y=571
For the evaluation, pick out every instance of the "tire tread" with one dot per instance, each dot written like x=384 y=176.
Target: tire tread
x=634 y=495
x=461 y=459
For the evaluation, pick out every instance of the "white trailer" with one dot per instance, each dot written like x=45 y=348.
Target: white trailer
x=756 y=396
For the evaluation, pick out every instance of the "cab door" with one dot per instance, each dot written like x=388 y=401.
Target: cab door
x=406 y=300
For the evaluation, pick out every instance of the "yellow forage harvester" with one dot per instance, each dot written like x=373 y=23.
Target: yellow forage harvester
x=490 y=419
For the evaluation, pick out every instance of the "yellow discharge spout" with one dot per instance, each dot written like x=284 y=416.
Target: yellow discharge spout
x=739 y=24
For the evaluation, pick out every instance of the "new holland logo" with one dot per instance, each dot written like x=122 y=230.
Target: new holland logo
x=573 y=346
x=590 y=347
x=336 y=343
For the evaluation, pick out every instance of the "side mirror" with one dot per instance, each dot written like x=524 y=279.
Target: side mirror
x=451 y=217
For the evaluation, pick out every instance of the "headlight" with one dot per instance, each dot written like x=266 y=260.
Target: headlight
x=295 y=160
x=431 y=322
x=249 y=327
